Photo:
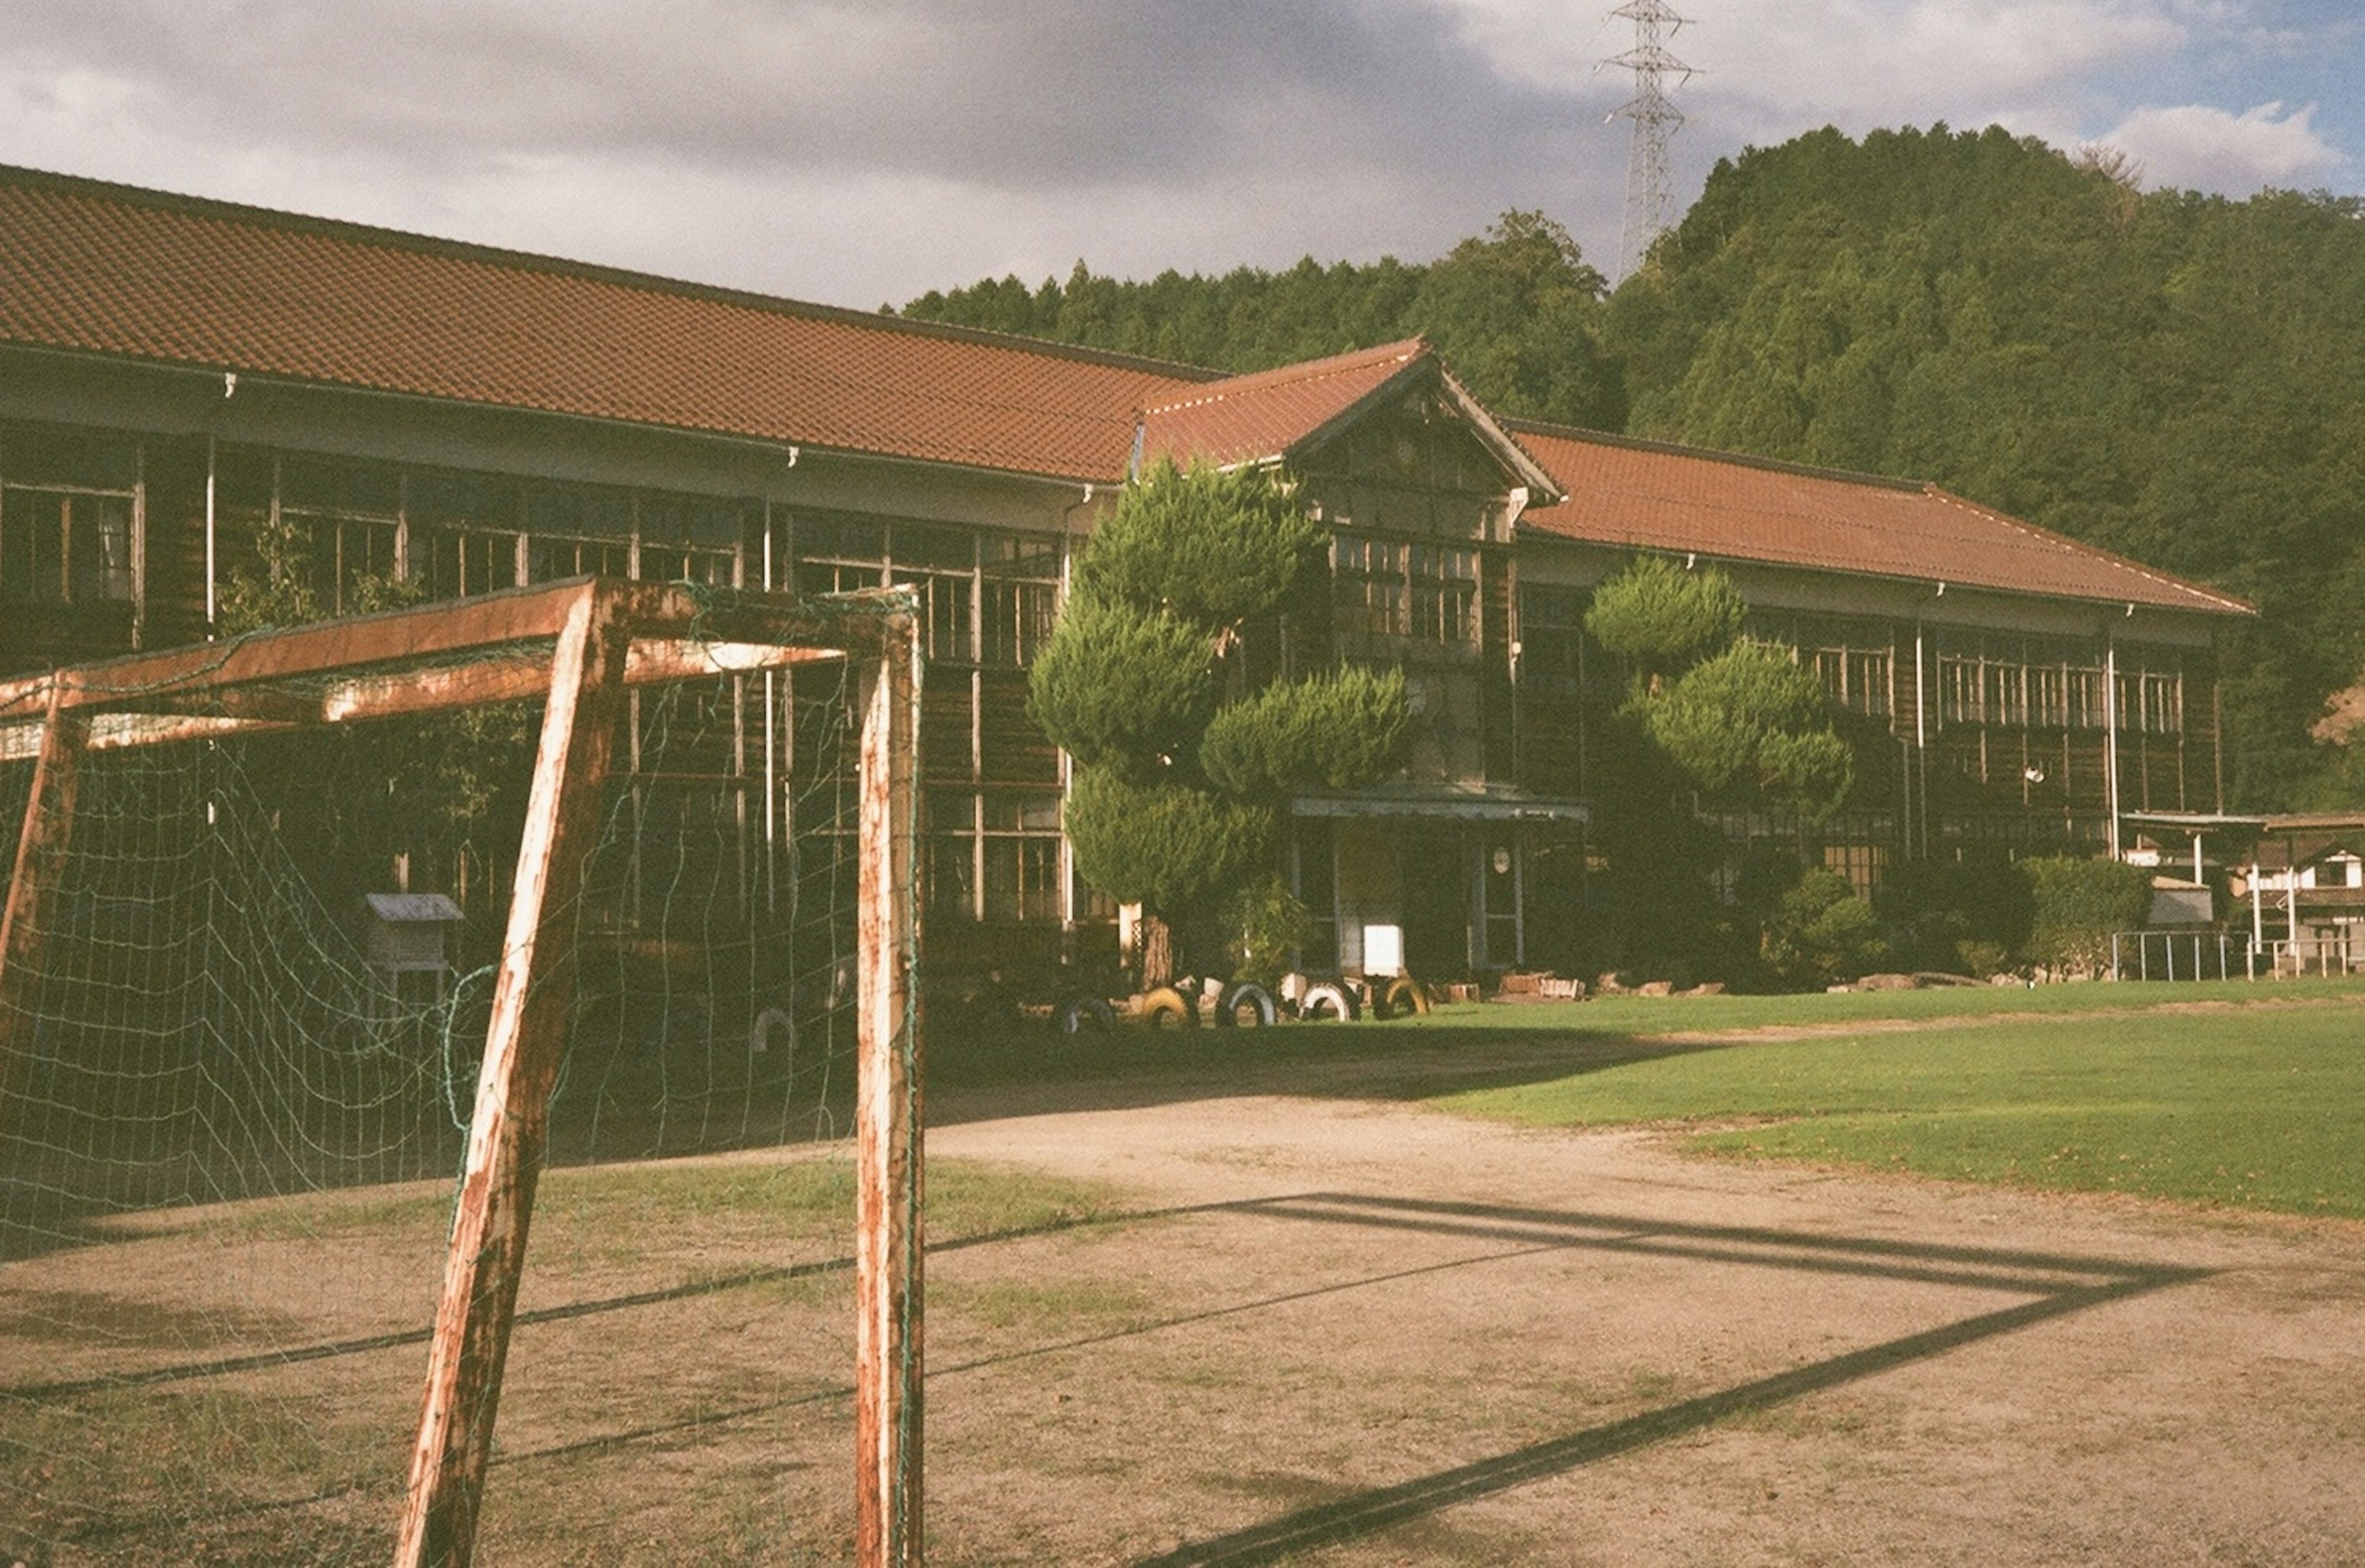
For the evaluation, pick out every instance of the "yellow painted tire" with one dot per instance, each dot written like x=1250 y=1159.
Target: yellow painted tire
x=1406 y=996
x=1167 y=1008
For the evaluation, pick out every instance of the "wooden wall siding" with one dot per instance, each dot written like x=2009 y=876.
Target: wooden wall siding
x=1414 y=468
x=1014 y=748
x=1498 y=728
x=948 y=716
x=1551 y=744
x=173 y=475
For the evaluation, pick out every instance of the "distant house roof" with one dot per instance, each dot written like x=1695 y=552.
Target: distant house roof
x=1649 y=496
x=95 y=268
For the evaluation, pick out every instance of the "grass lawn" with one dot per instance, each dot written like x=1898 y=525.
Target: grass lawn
x=2256 y=1103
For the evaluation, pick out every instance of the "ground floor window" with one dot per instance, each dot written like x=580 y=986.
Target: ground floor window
x=995 y=857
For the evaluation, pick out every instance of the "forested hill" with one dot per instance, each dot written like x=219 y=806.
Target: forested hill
x=2176 y=376
x=1517 y=312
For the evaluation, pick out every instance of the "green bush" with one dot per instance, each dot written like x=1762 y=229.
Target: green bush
x=2079 y=904
x=1264 y=923
x=1819 y=933
x=1662 y=616
x=1970 y=916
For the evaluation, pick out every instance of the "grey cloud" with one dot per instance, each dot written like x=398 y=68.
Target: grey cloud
x=1065 y=94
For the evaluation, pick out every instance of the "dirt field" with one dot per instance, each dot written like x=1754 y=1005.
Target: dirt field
x=1412 y=1338
x=1342 y=1330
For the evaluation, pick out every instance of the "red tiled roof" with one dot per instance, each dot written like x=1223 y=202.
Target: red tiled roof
x=1245 y=417
x=1645 y=495
x=106 y=269
x=1279 y=413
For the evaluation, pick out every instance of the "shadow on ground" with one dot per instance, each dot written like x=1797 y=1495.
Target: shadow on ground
x=2056 y=1286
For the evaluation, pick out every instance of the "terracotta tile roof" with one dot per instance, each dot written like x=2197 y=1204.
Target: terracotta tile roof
x=1243 y=419
x=1643 y=494
x=107 y=269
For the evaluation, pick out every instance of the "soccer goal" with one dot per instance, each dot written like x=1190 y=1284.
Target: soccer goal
x=327 y=950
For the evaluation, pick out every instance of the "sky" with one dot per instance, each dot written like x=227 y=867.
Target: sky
x=859 y=153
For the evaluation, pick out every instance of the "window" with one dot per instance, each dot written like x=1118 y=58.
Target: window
x=1367 y=580
x=2160 y=703
x=945 y=609
x=1019 y=596
x=1426 y=592
x=687 y=541
x=464 y=534
x=2048 y=697
x=60 y=547
x=67 y=518
x=1871 y=684
x=1850 y=657
x=1961 y=697
x=985 y=597
x=952 y=854
x=2006 y=693
x=346 y=521
x=2084 y=691
x=570 y=532
x=840 y=554
x=1022 y=858
x=1444 y=594
x=941 y=563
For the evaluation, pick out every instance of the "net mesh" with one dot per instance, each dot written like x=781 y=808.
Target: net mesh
x=238 y=1099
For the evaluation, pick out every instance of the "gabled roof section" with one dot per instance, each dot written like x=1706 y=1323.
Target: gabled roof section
x=1649 y=495
x=1274 y=415
x=97 y=268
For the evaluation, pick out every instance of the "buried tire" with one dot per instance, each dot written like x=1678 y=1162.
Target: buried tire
x=1084 y=1016
x=1167 y=1008
x=1405 y=997
x=1245 y=1005
x=1327 y=999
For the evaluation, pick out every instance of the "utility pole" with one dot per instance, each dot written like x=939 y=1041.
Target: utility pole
x=1650 y=189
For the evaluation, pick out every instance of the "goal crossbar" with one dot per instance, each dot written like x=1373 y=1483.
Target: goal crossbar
x=432 y=659
x=580 y=645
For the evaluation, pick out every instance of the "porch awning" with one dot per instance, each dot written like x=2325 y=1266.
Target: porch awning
x=1498 y=805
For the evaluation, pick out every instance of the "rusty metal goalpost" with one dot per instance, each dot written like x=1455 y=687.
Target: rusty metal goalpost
x=578 y=648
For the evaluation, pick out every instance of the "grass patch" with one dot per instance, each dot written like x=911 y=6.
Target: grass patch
x=1648 y=1016
x=645 y=1202
x=1055 y=1305
x=2254 y=1109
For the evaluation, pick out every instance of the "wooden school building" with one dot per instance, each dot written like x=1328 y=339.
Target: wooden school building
x=188 y=386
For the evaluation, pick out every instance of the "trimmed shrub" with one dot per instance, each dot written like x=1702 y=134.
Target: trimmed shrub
x=2078 y=905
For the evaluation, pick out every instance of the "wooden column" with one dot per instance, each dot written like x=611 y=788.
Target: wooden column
x=507 y=1137
x=40 y=862
x=887 y=1365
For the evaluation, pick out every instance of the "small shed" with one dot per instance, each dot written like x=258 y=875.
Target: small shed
x=407 y=934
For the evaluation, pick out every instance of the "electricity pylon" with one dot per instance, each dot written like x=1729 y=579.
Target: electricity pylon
x=1650 y=188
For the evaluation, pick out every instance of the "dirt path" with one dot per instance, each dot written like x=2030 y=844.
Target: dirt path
x=1409 y=1337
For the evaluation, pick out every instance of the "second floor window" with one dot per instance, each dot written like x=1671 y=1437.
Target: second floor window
x=1382 y=587
x=64 y=547
x=67 y=518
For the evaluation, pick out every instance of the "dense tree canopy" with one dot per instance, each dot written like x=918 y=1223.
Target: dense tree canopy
x=2171 y=375
x=1515 y=312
